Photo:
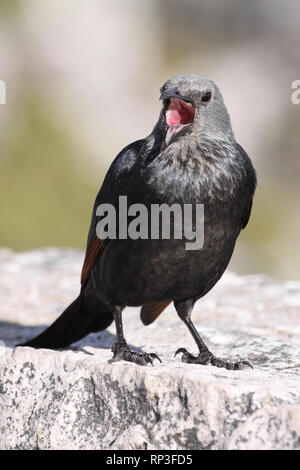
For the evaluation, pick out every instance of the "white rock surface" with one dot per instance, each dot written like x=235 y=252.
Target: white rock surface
x=74 y=399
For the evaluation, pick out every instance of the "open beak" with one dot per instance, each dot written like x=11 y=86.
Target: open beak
x=179 y=111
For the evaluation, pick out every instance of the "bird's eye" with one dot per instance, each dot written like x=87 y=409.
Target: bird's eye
x=206 y=97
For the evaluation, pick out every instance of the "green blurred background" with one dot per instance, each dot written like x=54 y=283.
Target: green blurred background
x=82 y=81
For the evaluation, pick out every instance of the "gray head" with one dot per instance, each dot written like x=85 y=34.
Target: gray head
x=193 y=104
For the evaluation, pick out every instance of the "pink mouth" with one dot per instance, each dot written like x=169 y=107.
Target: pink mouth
x=178 y=115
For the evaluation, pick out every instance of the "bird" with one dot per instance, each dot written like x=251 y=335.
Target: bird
x=190 y=158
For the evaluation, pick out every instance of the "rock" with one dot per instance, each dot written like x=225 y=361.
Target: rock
x=282 y=423
x=74 y=399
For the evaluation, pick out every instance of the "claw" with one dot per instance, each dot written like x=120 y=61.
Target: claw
x=147 y=359
x=155 y=356
x=190 y=359
x=180 y=350
x=207 y=357
x=245 y=363
x=123 y=353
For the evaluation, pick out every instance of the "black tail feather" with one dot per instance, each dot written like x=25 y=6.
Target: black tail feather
x=79 y=319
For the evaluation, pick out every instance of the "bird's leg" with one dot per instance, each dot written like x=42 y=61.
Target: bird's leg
x=184 y=310
x=120 y=349
x=121 y=342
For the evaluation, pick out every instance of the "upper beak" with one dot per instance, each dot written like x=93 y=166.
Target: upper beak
x=173 y=93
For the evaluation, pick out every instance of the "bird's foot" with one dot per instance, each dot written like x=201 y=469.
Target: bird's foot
x=123 y=353
x=206 y=357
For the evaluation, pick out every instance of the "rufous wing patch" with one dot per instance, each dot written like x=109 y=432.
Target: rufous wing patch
x=91 y=255
x=151 y=311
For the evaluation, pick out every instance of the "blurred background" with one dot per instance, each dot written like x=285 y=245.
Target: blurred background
x=82 y=81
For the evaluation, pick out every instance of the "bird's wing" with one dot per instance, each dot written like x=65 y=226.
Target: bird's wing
x=246 y=213
x=250 y=185
x=115 y=183
x=92 y=252
x=151 y=311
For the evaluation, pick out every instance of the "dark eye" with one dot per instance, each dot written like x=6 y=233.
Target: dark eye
x=206 y=97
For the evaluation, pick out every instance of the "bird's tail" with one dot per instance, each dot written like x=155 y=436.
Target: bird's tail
x=83 y=316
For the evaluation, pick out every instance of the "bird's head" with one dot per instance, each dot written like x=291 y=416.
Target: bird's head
x=193 y=104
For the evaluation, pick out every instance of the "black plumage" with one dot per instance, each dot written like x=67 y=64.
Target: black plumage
x=191 y=157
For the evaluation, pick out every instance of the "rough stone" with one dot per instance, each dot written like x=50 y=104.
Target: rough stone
x=74 y=399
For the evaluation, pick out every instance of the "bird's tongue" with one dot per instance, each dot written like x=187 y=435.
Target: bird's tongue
x=174 y=122
x=178 y=115
x=172 y=130
x=173 y=117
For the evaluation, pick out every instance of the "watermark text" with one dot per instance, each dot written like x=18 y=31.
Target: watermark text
x=159 y=221
x=2 y=92
x=295 y=97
